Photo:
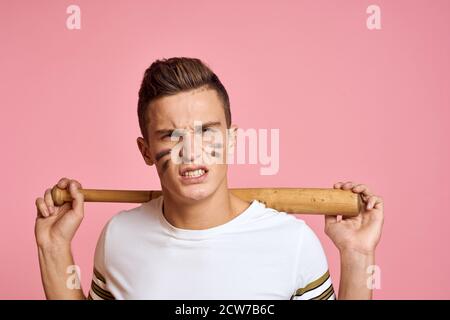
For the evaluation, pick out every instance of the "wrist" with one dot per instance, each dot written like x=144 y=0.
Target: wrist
x=56 y=247
x=356 y=249
x=355 y=274
x=357 y=259
x=356 y=252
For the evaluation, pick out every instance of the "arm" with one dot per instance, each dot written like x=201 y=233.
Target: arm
x=54 y=231
x=313 y=281
x=356 y=238
x=353 y=282
x=54 y=264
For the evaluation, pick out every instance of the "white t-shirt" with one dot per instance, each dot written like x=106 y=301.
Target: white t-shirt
x=260 y=254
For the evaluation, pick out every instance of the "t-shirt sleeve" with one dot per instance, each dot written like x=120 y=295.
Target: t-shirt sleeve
x=99 y=285
x=313 y=281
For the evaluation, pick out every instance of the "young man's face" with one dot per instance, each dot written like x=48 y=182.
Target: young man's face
x=187 y=138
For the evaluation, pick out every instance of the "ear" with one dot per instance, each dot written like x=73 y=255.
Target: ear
x=144 y=148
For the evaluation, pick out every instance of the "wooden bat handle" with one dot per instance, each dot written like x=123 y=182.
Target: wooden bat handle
x=290 y=200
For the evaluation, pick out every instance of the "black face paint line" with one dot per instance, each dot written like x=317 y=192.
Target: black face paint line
x=165 y=166
x=162 y=153
x=216 y=145
x=215 y=152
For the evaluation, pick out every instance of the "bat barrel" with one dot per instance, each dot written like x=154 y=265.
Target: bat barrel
x=290 y=200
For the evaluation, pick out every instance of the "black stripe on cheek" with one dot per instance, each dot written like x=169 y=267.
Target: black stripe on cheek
x=165 y=166
x=162 y=153
x=216 y=145
x=214 y=152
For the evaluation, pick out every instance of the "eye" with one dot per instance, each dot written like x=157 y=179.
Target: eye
x=166 y=135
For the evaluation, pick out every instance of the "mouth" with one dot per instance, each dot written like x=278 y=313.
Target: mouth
x=193 y=174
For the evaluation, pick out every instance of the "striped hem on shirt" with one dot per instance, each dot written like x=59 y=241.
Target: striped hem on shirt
x=326 y=294
x=99 y=276
x=320 y=289
x=98 y=288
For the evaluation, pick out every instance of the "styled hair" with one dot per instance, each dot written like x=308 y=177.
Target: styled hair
x=167 y=77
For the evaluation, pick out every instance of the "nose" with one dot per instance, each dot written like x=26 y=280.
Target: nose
x=191 y=151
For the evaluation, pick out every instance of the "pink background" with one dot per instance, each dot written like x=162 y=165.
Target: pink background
x=350 y=103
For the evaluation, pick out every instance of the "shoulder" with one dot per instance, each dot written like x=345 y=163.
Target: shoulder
x=135 y=219
x=279 y=217
x=286 y=224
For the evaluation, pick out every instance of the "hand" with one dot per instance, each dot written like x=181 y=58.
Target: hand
x=56 y=226
x=361 y=233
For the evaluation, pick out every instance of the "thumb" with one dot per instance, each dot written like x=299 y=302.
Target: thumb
x=329 y=220
x=78 y=198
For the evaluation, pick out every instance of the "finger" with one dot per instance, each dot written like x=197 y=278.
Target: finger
x=371 y=202
x=338 y=185
x=359 y=216
x=49 y=201
x=77 y=196
x=78 y=185
x=379 y=204
x=329 y=220
x=63 y=183
x=361 y=188
x=39 y=214
x=65 y=207
x=348 y=185
x=42 y=208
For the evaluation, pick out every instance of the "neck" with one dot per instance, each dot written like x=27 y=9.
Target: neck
x=217 y=209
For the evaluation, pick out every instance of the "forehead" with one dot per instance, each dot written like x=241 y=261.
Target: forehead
x=182 y=109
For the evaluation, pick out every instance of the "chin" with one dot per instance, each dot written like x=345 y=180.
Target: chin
x=196 y=193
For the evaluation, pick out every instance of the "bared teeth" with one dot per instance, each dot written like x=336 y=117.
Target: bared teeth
x=194 y=173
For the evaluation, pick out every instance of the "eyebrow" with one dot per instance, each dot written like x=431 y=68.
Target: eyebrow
x=204 y=125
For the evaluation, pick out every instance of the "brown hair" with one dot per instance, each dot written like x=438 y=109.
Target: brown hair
x=171 y=76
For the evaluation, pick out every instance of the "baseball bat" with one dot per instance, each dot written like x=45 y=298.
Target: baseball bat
x=289 y=200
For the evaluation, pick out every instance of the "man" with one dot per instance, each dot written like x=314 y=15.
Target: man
x=199 y=241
